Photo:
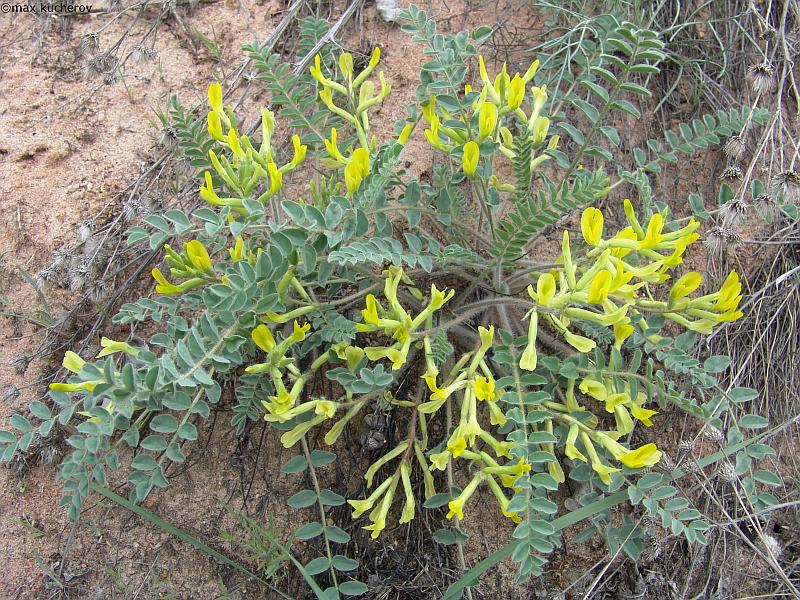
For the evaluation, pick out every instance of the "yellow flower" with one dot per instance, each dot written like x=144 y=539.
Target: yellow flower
x=164 y=286
x=484 y=388
x=653 y=235
x=580 y=343
x=570 y=450
x=72 y=362
x=729 y=293
x=111 y=347
x=410 y=505
x=440 y=460
x=592 y=225
x=487 y=336
x=643 y=414
x=496 y=415
x=370 y=314
x=515 y=93
x=215 y=126
x=469 y=160
x=644 y=456
x=593 y=388
x=545 y=289
x=353 y=356
x=333 y=149
x=541 y=125
x=299 y=154
x=457 y=443
x=362 y=506
x=275 y=178
x=439 y=395
x=487 y=120
x=528 y=359
x=198 y=255
x=207 y=192
x=326 y=408
x=215 y=98
x=299 y=332
x=599 y=287
x=456 y=506
x=685 y=285
x=356 y=170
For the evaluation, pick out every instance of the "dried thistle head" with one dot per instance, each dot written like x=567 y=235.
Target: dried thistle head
x=167 y=138
x=46 y=277
x=733 y=212
x=766 y=207
x=761 y=77
x=20 y=363
x=720 y=240
x=686 y=445
x=731 y=173
x=713 y=434
x=10 y=392
x=666 y=464
x=89 y=45
x=98 y=290
x=102 y=65
x=786 y=186
x=86 y=229
x=141 y=54
x=772 y=545
x=735 y=147
x=80 y=273
x=727 y=472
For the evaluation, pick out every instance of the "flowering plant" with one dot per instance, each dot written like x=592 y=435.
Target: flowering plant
x=511 y=378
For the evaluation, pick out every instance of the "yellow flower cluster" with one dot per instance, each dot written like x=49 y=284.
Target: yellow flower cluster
x=351 y=100
x=612 y=288
x=242 y=166
x=491 y=110
x=614 y=284
x=193 y=263
x=470 y=381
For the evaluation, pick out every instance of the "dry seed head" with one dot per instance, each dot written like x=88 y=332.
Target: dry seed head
x=62 y=259
x=46 y=277
x=686 y=445
x=727 y=472
x=649 y=522
x=167 y=138
x=713 y=434
x=721 y=239
x=20 y=364
x=51 y=452
x=765 y=206
x=86 y=229
x=772 y=544
x=735 y=147
x=733 y=212
x=666 y=464
x=786 y=186
x=10 y=393
x=652 y=550
x=89 y=44
x=731 y=173
x=98 y=291
x=104 y=65
x=761 y=77
x=692 y=466
x=80 y=273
